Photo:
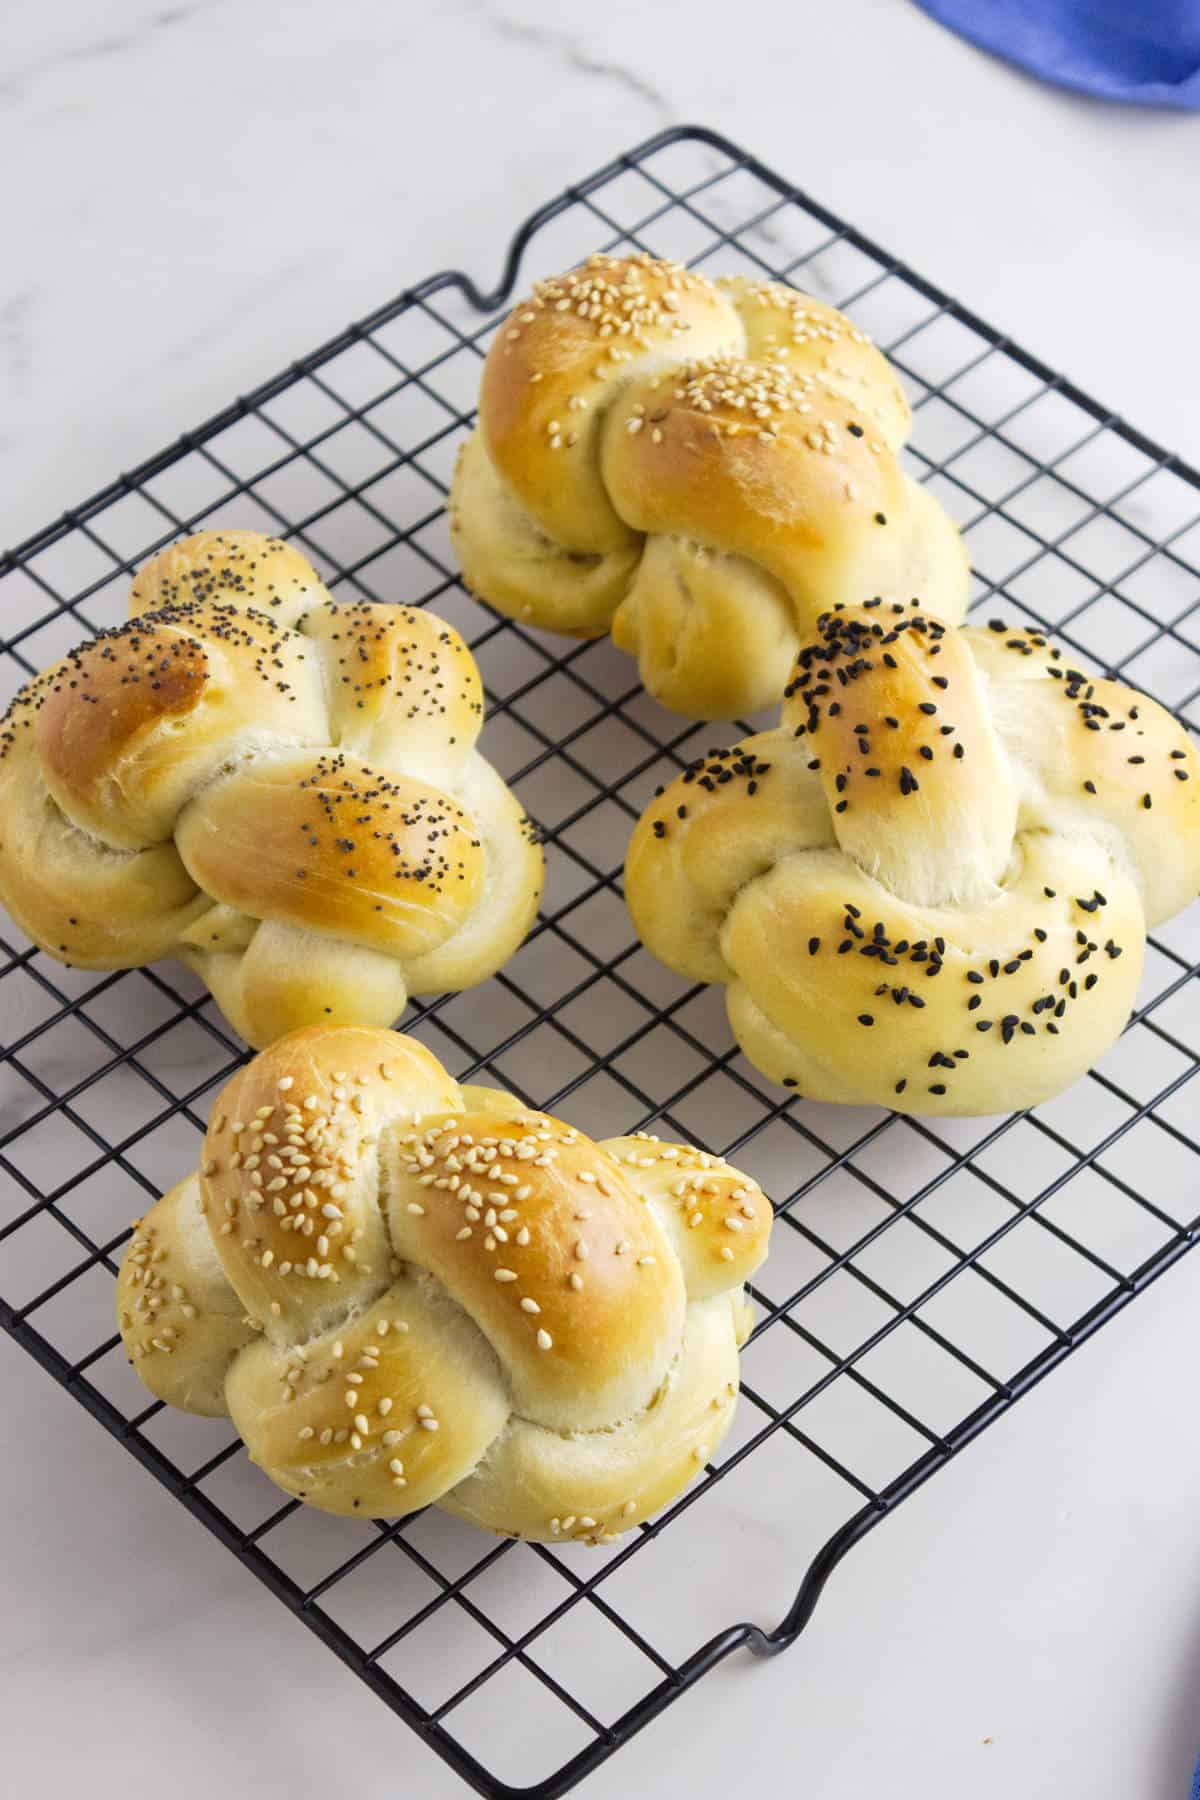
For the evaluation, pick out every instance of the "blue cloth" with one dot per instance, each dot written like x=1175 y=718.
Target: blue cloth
x=1147 y=51
x=1196 y=1783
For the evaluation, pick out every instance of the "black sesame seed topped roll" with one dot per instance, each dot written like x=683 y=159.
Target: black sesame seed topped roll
x=930 y=886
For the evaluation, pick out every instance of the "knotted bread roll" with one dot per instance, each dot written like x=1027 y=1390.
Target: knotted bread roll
x=697 y=466
x=405 y=1292
x=930 y=887
x=280 y=790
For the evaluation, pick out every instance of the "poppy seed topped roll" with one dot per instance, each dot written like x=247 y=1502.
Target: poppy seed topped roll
x=280 y=789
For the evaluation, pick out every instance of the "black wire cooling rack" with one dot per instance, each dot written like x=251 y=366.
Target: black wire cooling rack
x=924 y=1274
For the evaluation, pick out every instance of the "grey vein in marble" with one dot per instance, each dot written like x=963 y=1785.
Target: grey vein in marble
x=578 y=58
x=97 y=50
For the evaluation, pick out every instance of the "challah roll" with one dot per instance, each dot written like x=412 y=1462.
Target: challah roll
x=929 y=888
x=405 y=1292
x=279 y=789
x=696 y=466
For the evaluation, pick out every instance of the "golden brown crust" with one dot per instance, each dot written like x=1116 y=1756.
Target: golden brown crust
x=632 y=414
x=290 y=1204
x=930 y=887
x=557 y=363
x=130 y=725
x=315 y=765
x=537 y=1203
x=731 y=455
x=329 y=844
x=814 y=341
x=406 y=1292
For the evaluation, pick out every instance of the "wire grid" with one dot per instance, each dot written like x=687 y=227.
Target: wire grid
x=923 y=1274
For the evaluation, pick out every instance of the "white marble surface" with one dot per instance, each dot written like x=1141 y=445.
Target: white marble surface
x=197 y=192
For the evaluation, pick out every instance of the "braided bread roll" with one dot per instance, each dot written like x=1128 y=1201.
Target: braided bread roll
x=281 y=790
x=695 y=466
x=405 y=1292
x=930 y=887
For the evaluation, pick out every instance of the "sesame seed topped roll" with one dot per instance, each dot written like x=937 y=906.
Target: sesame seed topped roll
x=930 y=886
x=694 y=466
x=543 y=1204
x=561 y=359
x=280 y=789
x=405 y=1292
